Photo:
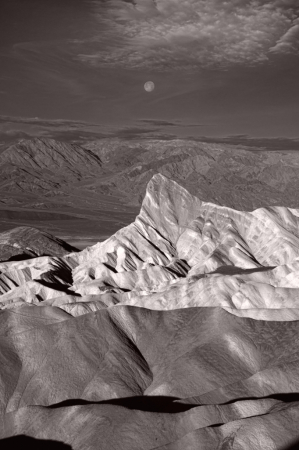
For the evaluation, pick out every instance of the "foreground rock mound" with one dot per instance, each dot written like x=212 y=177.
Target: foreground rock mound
x=180 y=331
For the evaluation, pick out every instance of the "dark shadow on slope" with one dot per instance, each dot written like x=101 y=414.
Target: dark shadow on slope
x=157 y=404
x=58 y=287
x=155 y=246
x=234 y=270
x=21 y=442
x=174 y=267
x=22 y=257
x=288 y=397
x=25 y=256
x=294 y=446
x=61 y=271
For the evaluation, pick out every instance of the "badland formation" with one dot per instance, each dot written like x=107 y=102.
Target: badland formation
x=180 y=328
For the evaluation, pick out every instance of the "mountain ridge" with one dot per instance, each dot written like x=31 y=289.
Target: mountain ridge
x=221 y=173
x=41 y=153
x=178 y=331
x=109 y=187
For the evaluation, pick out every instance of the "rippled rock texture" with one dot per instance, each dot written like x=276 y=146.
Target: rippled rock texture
x=180 y=331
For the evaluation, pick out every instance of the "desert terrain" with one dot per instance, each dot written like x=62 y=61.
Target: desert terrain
x=84 y=194
x=149 y=224
x=180 y=329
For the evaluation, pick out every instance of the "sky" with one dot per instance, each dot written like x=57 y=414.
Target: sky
x=221 y=68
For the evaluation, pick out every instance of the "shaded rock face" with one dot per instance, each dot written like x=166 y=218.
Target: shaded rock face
x=49 y=155
x=25 y=242
x=43 y=169
x=179 y=331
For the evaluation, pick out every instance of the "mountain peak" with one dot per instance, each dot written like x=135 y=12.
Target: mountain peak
x=183 y=325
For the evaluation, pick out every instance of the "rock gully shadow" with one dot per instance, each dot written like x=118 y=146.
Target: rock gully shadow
x=158 y=404
x=22 y=441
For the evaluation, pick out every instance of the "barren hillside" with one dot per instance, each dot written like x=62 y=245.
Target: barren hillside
x=179 y=331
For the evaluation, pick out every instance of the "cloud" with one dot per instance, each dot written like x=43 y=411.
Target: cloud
x=187 y=34
x=166 y=123
x=274 y=144
x=14 y=128
x=133 y=132
x=289 y=42
x=158 y=123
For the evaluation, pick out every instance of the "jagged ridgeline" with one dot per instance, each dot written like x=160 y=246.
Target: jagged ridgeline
x=179 y=331
x=48 y=173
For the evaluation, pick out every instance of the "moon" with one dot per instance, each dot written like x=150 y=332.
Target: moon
x=149 y=86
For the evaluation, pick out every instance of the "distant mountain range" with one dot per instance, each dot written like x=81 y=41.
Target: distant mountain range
x=41 y=165
x=100 y=186
x=234 y=176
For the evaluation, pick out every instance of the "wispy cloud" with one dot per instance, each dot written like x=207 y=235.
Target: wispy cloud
x=289 y=42
x=158 y=123
x=275 y=144
x=166 y=123
x=14 y=128
x=184 y=34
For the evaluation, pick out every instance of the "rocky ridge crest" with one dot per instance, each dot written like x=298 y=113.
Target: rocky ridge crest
x=182 y=326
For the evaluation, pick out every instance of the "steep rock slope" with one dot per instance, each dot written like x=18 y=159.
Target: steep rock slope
x=53 y=155
x=45 y=164
x=180 y=247
x=22 y=242
x=179 y=331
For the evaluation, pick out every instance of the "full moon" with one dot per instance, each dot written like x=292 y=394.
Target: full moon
x=149 y=86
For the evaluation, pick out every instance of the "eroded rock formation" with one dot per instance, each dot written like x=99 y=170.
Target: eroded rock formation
x=179 y=331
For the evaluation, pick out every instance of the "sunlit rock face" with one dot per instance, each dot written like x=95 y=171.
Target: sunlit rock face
x=179 y=331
